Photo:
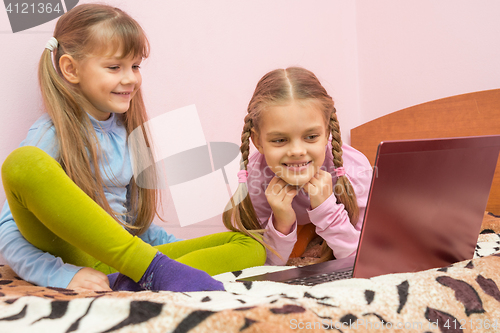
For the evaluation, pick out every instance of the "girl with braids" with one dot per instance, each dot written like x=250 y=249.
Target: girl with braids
x=74 y=213
x=299 y=179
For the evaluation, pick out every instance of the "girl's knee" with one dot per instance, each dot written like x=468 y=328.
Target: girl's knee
x=24 y=163
x=260 y=253
x=254 y=248
x=22 y=156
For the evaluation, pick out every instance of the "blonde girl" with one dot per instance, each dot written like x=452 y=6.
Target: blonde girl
x=74 y=213
x=302 y=176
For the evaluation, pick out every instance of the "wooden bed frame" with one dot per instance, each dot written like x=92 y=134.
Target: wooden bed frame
x=472 y=114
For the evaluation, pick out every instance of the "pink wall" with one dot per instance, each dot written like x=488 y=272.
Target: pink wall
x=412 y=52
x=374 y=57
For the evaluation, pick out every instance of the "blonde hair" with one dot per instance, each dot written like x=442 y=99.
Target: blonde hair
x=94 y=29
x=280 y=87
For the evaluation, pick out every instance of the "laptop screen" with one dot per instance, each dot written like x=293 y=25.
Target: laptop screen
x=426 y=204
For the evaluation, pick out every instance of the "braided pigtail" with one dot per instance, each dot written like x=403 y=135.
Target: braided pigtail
x=343 y=188
x=239 y=214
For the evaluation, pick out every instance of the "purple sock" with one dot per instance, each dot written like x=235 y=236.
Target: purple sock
x=166 y=274
x=112 y=279
x=120 y=282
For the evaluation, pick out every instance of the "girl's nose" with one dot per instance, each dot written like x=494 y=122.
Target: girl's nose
x=296 y=149
x=129 y=77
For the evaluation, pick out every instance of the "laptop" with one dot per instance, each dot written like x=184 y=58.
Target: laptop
x=425 y=208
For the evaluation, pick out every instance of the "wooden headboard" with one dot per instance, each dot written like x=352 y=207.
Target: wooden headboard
x=470 y=114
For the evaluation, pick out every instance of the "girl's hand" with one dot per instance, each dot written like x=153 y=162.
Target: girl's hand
x=279 y=195
x=89 y=279
x=319 y=188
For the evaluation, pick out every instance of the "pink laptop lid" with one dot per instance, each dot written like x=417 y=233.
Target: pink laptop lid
x=426 y=204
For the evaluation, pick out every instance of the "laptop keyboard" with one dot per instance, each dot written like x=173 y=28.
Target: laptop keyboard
x=322 y=278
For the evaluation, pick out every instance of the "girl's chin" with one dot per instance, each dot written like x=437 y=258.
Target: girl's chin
x=297 y=181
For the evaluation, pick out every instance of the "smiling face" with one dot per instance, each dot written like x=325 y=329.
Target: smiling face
x=109 y=83
x=292 y=139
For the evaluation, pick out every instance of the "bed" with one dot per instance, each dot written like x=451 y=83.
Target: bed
x=463 y=297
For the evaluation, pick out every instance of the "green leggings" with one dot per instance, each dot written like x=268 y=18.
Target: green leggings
x=56 y=216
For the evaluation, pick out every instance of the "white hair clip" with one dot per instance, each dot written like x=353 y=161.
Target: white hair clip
x=51 y=44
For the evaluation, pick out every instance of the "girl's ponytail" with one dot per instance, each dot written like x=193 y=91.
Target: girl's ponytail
x=70 y=121
x=94 y=29
x=54 y=91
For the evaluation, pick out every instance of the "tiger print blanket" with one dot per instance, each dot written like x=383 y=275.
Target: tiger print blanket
x=463 y=297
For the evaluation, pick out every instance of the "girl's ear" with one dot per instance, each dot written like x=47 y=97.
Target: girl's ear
x=256 y=140
x=69 y=68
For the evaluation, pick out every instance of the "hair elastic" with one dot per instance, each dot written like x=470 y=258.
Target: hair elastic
x=339 y=172
x=242 y=176
x=51 y=44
